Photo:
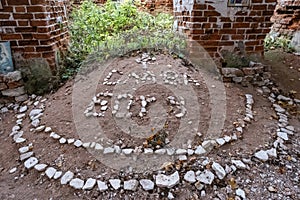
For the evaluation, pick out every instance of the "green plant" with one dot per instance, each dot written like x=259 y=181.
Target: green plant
x=273 y=41
x=115 y=29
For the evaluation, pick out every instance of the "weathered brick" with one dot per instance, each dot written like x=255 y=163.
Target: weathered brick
x=18 y=2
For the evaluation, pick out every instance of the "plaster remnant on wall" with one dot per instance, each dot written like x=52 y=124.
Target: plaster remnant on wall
x=187 y=5
x=225 y=11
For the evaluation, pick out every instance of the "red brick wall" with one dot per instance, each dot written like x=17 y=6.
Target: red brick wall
x=286 y=17
x=33 y=28
x=234 y=28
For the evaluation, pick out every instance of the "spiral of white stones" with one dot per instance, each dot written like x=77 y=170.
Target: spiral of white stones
x=197 y=178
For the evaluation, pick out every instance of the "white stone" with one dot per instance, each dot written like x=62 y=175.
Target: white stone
x=62 y=140
x=190 y=151
x=23 y=109
x=103 y=102
x=115 y=183
x=48 y=129
x=71 y=140
x=102 y=186
x=40 y=167
x=220 y=171
x=50 y=171
x=272 y=153
x=131 y=185
x=77 y=143
x=287 y=131
x=127 y=151
x=108 y=150
x=283 y=135
x=227 y=138
x=93 y=144
x=13 y=170
x=239 y=164
x=26 y=155
x=160 y=151
x=241 y=193
x=15 y=128
x=181 y=151
x=98 y=146
x=170 y=151
x=24 y=149
x=148 y=151
x=182 y=157
x=20 y=140
x=117 y=149
x=35 y=112
x=147 y=184
x=162 y=180
x=104 y=108
x=66 y=177
x=54 y=135
x=57 y=175
x=206 y=177
x=170 y=195
x=291 y=128
x=89 y=184
x=262 y=155
x=200 y=150
x=76 y=183
x=40 y=128
x=86 y=144
x=220 y=141
x=208 y=144
x=190 y=176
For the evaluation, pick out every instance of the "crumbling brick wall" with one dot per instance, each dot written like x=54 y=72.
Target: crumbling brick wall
x=286 y=17
x=35 y=28
x=218 y=27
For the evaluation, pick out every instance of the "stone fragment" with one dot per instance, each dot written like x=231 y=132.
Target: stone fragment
x=115 y=183
x=23 y=109
x=71 y=140
x=66 y=177
x=102 y=186
x=62 y=140
x=77 y=183
x=77 y=143
x=14 y=92
x=89 y=184
x=50 y=171
x=167 y=181
x=127 y=151
x=24 y=149
x=20 y=140
x=26 y=155
x=220 y=171
x=13 y=170
x=241 y=193
x=181 y=151
x=40 y=128
x=272 y=152
x=190 y=176
x=40 y=167
x=220 y=141
x=147 y=184
x=108 y=150
x=48 y=129
x=262 y=155
x=131 y=185
x=35 y=112
x=57 y=175
x=98 y=146
x=200 y=150
x=239 y=164
x=148 y=151
x=31 y=162
x=283 y=135
x=206 y=177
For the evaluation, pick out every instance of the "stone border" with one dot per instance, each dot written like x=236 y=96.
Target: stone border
x=198 y=178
